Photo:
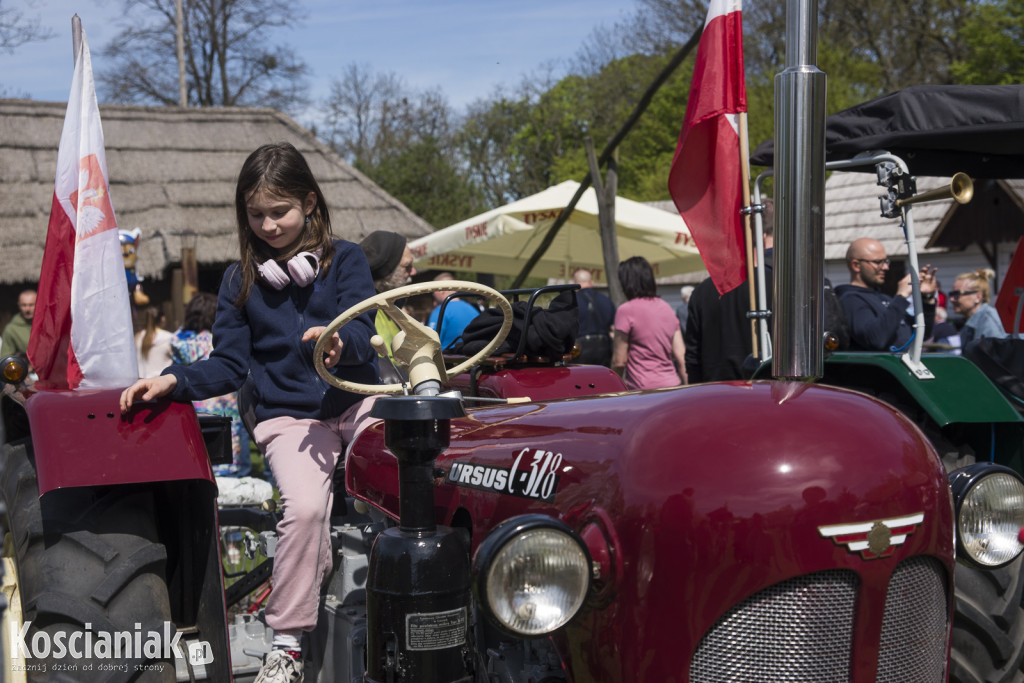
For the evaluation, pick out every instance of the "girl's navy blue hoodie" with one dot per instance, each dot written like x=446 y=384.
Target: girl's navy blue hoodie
x=264 y=337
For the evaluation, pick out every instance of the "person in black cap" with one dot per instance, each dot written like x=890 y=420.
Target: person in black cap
x=390 y=259
x=391 y=267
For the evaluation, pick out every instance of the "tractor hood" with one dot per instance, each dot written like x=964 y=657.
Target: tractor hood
x=742 y=484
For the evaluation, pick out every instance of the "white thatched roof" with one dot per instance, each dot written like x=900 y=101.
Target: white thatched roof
x=171 y=169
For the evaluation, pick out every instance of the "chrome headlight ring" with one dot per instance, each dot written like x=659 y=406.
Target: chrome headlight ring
x=988 y=502
x=531 y=575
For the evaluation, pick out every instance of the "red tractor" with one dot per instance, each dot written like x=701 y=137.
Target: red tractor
x=736 y=531
x=542 y=525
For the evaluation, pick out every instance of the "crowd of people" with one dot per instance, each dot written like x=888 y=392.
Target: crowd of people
x=258 y=332
x=634 y=339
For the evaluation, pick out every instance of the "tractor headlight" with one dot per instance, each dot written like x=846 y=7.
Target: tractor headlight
x=532 y=574
x=989 y=503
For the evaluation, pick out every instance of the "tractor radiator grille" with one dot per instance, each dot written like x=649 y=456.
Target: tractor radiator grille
x=802 y=630
x=797 y=630
x=913 y=644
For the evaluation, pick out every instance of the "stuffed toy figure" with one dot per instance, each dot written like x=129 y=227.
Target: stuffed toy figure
x=129 y=252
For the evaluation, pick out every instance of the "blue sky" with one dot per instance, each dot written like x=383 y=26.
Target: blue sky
x=464 y=47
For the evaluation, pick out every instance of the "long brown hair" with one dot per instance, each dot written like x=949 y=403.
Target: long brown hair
x=279 y=170
x=149 y=325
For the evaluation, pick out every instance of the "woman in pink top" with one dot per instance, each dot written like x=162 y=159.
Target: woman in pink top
x=648 y=346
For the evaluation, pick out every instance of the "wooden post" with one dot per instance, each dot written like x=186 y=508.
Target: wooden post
x=606 y=191
x=189 y=267
x=177 y=305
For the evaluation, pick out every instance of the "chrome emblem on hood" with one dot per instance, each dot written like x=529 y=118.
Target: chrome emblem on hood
x=874 y=539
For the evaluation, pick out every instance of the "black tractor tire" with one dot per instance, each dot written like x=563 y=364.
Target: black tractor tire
x=84 y=556
x=988 y=626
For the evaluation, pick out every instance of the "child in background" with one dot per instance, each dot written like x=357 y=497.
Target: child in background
x=152 y=343
x=194 y=342
x=292 y=280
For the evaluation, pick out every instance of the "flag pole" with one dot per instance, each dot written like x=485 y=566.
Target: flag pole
x=85 y=337
x=76 y=37
x=748 y=240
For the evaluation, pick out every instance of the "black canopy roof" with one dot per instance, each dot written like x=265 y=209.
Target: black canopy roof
x=937 y=130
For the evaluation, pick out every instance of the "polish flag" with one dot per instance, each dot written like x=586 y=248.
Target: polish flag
x=82 y=328
x=705 y=180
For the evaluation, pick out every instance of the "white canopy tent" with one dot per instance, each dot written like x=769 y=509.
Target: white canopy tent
x=501 y=240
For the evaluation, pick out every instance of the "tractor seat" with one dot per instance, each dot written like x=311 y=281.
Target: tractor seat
x=1002 y=361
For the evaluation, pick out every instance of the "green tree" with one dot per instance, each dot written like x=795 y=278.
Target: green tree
x=994 y=37
x=486 y=140
x=912 y=42
x=520 y=141
x=544 y=138
x=423 y=177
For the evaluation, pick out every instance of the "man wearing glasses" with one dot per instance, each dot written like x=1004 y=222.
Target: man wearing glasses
x=877 y=321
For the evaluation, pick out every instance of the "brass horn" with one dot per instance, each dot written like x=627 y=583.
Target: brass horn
x=960 y=190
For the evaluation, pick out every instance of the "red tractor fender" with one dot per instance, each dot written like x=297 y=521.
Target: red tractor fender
x=80 y=438
x=695 y=499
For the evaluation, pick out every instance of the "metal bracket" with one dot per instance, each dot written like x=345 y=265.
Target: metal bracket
x=899 y=185
x=917 y=367
x=268 y=543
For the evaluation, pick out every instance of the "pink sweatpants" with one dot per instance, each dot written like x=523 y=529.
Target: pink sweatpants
x=302 y=454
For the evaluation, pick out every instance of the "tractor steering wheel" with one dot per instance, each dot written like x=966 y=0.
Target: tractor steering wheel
x=416 y=346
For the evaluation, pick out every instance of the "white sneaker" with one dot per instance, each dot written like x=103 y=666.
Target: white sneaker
x=279 y=667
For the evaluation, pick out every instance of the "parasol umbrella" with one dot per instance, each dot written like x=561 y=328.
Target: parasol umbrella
x=500 y=241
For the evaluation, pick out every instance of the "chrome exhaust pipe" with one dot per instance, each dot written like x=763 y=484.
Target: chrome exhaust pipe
x=799 y=201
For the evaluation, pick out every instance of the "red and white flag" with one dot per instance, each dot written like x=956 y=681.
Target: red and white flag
x=82 y=328
x=705 y=180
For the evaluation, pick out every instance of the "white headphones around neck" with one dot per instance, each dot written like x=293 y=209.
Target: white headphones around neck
x=303 y=267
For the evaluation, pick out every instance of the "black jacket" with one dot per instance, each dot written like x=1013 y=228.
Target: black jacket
x=879 y=322
x=717 y=337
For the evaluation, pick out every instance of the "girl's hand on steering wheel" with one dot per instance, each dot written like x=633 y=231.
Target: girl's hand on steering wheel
x=333 y=353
